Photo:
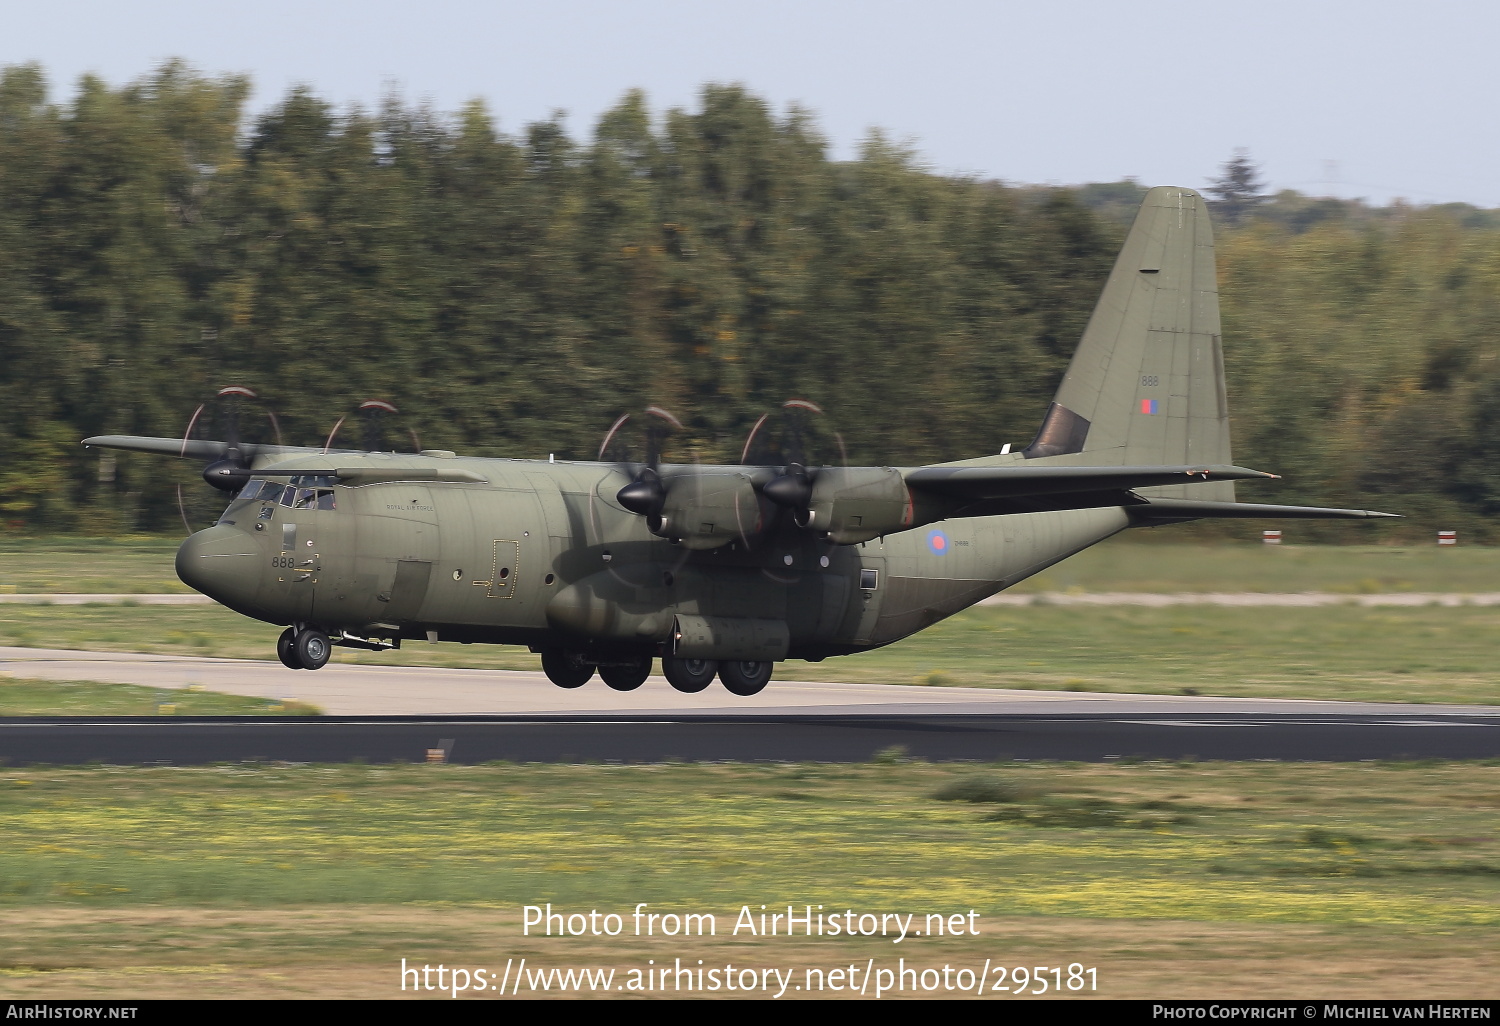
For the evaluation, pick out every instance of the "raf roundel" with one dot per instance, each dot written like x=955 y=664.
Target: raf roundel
x=937 y=543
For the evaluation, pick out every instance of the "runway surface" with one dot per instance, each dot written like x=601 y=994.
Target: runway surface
x=746 y=738
x=383 y=713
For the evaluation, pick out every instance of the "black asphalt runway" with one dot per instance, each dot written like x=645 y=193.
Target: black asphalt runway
x=1087 y=737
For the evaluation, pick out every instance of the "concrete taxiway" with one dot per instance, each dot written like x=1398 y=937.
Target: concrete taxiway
x=365 y=690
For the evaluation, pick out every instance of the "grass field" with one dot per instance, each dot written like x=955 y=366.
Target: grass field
x=21 y=697
x=1125 y=564
x=89 y=566
x=1210 y=879
x=1128 y=563
x=1422 y=654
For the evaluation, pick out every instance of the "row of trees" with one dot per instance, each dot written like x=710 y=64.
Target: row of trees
x=512 y=294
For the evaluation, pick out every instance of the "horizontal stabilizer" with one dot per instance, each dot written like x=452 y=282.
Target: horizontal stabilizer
x=978 y=483
x=1178 y=510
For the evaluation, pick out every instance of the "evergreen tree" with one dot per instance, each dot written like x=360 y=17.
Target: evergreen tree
x=513 y=294
x=1237 y=190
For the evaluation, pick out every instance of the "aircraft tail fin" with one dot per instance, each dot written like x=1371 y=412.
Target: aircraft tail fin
x=1146 y=385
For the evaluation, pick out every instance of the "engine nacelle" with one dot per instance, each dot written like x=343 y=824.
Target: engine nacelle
x=707 y=510
x=855 y=504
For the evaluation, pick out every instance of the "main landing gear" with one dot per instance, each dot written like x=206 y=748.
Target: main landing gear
x=744 y=677
x=305 y=649
x=565 y=669
x=627 y=676
x=690 y=676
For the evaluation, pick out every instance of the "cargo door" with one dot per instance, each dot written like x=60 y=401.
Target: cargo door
x=331 y=527
x=869 y=589
x=295 y=527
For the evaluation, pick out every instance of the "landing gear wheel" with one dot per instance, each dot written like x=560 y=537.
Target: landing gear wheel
x=745 y=678
x=286 y=649
x=311 y=648
x=565 y=670
x=689 y=676
x=626 y=678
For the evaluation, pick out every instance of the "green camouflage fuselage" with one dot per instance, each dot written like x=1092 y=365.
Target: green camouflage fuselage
x=543 y=555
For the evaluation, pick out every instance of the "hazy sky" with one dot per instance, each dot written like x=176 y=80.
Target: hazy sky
x=1372 y=98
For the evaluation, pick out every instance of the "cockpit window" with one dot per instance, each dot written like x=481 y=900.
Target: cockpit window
x=309 y=491
x=254 y=488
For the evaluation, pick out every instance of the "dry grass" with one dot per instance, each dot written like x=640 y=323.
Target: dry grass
x=356 y=952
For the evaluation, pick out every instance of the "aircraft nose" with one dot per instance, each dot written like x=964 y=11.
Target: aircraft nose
x=222 y=563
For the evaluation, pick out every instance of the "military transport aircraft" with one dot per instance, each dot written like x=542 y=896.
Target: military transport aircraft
x=726 y=570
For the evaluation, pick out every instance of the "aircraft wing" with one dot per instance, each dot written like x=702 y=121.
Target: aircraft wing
x=197 y=449
x=194 y=448
x=1007 y=482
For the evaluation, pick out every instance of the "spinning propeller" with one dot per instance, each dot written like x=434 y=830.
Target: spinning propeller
x=373 y=414
x=646 y=494
x=705 y=507
x=797 y=444
x=230 y=472
x=220 y=419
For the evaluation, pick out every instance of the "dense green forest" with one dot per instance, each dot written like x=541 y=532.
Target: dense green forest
x=514 y=292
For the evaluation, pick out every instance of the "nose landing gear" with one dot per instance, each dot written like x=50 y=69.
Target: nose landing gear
x=305 y=649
